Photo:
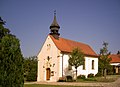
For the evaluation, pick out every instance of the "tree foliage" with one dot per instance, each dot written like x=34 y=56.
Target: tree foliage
x=104 y=60
x=76 y=58
x=30 y=68
x=11 y=60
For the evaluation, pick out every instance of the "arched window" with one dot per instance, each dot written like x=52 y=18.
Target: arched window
x=84 y=66
x=93 y=64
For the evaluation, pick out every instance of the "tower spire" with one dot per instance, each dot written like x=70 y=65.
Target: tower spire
x=54 y=12
x=54 y=27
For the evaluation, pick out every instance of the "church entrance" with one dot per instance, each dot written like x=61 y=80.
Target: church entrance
x=48 y=74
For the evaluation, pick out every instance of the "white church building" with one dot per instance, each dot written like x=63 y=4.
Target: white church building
x=54 y=55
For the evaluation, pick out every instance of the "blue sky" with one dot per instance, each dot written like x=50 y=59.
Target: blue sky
x=87 y=21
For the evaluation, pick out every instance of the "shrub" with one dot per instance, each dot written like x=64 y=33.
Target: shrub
x=30 y=69
x=98 y=75
x=69 y=78
x=90 y=75
x=32 y=76
x=81 y=77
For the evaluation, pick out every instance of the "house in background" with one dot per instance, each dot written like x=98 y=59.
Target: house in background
x=115 y=62
x=54 y=55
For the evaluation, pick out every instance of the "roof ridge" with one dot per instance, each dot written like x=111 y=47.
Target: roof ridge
x=74 y=41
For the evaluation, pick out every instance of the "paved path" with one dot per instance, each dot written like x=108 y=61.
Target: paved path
x=100 y=84
x=114 y=84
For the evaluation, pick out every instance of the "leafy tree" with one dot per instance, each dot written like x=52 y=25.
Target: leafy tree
x=11 y=60
x=76 y=58
x=104 y=60
x=118 y=52
x=30 y=68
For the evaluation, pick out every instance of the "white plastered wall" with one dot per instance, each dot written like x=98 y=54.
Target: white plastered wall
x=88 y=66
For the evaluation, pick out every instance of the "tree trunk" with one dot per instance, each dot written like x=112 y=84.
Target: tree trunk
x=102 y=72
x=105 y=73
x=76 y=74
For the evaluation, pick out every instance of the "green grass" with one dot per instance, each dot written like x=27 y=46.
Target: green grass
x=110 y=78
x=39 y=85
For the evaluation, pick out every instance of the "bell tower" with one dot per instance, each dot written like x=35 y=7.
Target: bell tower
x=54 y=28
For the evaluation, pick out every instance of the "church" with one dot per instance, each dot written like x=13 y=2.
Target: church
x=54 y=55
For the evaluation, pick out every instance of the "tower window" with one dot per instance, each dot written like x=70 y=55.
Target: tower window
x=48 y=46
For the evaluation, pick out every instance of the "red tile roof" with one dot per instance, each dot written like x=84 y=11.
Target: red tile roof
x=115 y=58
x=66 y=45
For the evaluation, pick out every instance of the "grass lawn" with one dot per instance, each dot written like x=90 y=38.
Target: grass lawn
x=39 y=85
x=110 y=78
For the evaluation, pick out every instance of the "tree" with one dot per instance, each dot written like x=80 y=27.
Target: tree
x=118 y=52
x=104 y=60
x=76 y=59
x=11 y=59
x=30 y=68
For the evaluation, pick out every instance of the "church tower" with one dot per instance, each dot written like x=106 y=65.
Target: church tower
x=54 y=28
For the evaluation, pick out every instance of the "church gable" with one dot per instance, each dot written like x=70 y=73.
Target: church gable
x=48 y=61
x=47 y=47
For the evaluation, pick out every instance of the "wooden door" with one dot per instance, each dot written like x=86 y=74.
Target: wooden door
x=48 y=74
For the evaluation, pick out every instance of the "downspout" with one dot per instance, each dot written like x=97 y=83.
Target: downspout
x=62 y=65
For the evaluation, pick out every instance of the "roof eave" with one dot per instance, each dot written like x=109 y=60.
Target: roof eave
x=88 y=55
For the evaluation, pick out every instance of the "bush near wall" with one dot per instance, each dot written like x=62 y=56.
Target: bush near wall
x=81 y=77
x=30 y=69
x=69 y=78
x=90 y=75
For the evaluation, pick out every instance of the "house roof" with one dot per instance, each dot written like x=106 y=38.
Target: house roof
x=66 y=45
x=115 y=58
